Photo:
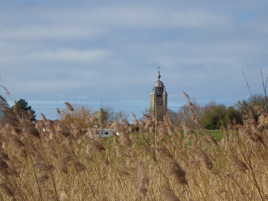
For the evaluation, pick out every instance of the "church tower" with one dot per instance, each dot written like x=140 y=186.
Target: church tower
x=158 y=99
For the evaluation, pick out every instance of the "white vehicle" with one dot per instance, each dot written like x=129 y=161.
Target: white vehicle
x=106 y=132
x=103 y=133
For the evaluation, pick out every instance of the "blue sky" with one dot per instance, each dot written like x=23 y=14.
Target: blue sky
x=108 y=51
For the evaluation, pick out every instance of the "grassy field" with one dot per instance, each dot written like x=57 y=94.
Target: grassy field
x=65 y=161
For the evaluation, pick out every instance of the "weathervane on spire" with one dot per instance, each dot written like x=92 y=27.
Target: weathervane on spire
x=159 y=74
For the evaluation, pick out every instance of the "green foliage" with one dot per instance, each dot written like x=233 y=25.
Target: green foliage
x=233 y=116
x=23 y=110
x=215 y=116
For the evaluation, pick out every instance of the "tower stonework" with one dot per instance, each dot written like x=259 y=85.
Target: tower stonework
x=158 y=99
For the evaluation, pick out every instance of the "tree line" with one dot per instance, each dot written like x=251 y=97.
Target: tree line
x=212 y=116
x=215 y=116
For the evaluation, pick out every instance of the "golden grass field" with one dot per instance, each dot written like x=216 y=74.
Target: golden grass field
x=64 y=161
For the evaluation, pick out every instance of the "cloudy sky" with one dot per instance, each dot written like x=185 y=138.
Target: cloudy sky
x=107 y=51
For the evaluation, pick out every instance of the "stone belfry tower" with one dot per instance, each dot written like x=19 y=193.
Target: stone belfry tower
x=158 y=99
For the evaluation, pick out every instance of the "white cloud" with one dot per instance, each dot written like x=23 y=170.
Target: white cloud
x=92 y=23
x=57 y=55
x=49 y=32
x=69 y=55
x=159 y=18
x=142 y=17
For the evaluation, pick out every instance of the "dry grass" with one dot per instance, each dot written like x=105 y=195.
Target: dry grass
x=63 y=161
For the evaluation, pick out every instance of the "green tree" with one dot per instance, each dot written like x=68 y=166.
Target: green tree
x=23 y=110
x=233 y=116
x=213 y=116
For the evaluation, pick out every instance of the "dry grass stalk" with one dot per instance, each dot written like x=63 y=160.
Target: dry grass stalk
x=212 y=139
x=5 y=89
x=79 y=166
x=43 y=179
x=43 y=117
x=8 y=190
x=59 y=111
x=142 y=180
x=99 y=146
x=69 y=106
x=18 y=143
x=63 y=196
x=44 y=167
x=207 y=161
x=180 y=173
x=3 y=164
x=32 y=131
x=4 y=156
x=164 y=150
x=36 y=178
x=255 y=137
x=169 y=195
x=240 y=164
x=192 y=108
x=54 y=186
x=256 y=183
